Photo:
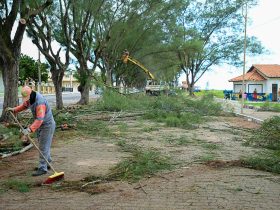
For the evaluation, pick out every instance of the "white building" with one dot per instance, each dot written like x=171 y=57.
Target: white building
x=264 y=79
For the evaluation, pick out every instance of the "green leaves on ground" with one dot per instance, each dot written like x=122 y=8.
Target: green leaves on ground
x=17 y=185
x=266 y=161
x=175 y=111
x=268 y=135
x=141 y=163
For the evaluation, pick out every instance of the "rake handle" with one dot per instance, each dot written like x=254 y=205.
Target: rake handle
x=33 y=142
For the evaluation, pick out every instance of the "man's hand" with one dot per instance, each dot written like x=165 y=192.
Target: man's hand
x=10 y=109
x=25 y=131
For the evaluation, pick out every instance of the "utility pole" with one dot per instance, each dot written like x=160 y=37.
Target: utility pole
x=39 y=72
x=245 y=15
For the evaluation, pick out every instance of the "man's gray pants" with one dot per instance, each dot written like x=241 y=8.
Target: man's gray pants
x=45 y=136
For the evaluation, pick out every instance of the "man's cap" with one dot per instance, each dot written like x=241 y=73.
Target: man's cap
x=25 y=92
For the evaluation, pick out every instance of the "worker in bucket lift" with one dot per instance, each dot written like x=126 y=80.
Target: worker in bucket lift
x=43 y=123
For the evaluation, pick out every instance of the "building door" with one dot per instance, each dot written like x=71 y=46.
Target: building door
x=274 y=92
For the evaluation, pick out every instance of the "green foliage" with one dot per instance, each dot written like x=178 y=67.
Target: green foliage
x=141 y=163
x=203 y=24
x=150 y=129
x=207 y=157
x=28 y=69
x=266 y=161
x=113 y=101
x=94 y=128
x=17 y=185
x=207 y=106
x=182 y=112
x=210 y=146
x=266 y=106
x=182 y=141
x=12 y=141
x=175 y=111
x=268 y=135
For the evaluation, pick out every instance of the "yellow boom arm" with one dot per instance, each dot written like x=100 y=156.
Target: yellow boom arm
x=127 y=58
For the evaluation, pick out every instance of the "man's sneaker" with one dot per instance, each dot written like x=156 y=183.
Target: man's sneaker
x=39 y=172
x=36 y=168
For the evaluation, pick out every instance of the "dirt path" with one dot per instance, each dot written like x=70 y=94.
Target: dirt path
x=192 y=185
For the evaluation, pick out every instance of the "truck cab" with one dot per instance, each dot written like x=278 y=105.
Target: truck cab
x=156 y=88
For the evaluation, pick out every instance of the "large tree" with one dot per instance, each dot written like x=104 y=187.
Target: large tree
x=47 y=30
x=143 y=33
x=211 y=34
x=86 y=45
x=10 y=43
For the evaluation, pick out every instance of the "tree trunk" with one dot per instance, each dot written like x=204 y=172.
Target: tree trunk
x=109 y=77
x=84 y=90
x=10 y=79
x=57 y=77
x=191 y=90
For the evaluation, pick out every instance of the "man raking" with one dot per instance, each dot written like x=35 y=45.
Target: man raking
x=43 y=124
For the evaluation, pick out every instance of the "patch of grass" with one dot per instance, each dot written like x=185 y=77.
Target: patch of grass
x=150 y=129
x=266 y=106
x=140 y=164
x=210 y=146
x=216 y=93
x=182 y=141
x=266 y=161
x=207 y=157
x=123 y=127
x=17 y=185
x=125 y=147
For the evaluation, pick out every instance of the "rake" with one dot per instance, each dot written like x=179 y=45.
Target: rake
x=57 y=175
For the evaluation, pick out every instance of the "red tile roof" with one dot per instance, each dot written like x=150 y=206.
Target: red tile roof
x=269 y=70
x=258 y=72
x=249 y=76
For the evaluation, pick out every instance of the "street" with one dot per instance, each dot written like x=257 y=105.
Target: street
x=68 y=98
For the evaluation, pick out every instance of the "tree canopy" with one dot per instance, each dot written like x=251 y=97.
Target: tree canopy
x=29 y=70
x=211 y=34
x=167 y=36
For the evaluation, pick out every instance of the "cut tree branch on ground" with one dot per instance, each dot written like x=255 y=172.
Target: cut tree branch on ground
x=108 y=117
x=93 y=182
x=141 y=187
x=18 y=152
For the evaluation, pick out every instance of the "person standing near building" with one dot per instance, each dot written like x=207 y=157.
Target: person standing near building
x=240 y=94
x=43 y=123
x=255 y=95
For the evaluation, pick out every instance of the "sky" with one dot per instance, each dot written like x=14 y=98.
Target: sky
x=264 y=24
